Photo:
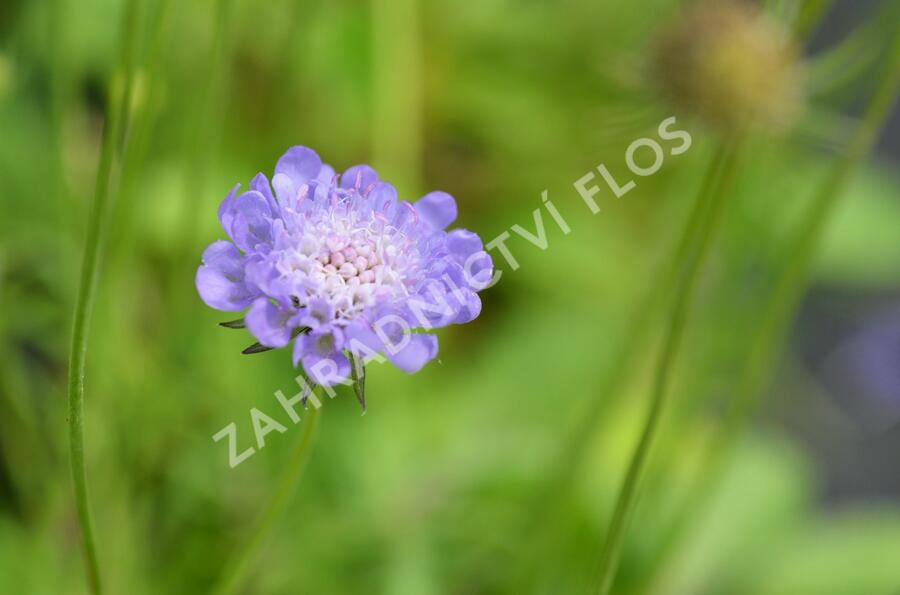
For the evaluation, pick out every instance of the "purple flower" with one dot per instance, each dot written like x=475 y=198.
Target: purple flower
x=342 y=267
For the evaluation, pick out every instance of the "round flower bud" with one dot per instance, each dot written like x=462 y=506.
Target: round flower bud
x=732 y=66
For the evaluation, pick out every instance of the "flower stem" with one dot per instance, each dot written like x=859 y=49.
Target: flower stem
x=201 y=141
x=235 y=575
x=790 y=286
x=397 y=99
x=609 y=556
x=635 y=334
x=632 y=341
x=113 y=130
x=778 y=312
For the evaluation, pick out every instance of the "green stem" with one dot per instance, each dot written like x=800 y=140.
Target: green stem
x=201 y=146
x=60 y=86
x=778 y=312
x=809 y=16
x=397 y=135
x=235 y=575
x=113 y=129
x=140 y=131
x=789 y=290
x=639 y=321
x=632 y=342
x=610 y=554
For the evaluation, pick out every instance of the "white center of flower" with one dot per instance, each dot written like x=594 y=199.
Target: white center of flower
x=355 y=262
x=350 y=264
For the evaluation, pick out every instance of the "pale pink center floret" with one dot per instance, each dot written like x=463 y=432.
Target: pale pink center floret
x=357 y=262
x=351 y=264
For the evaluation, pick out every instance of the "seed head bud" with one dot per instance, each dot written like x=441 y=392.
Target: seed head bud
x=732 y=66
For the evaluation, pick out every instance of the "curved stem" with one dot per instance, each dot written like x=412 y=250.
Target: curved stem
x=632 y=341
x=789 y=289
x=640 y=320
x=201 y=140
x=790 y=286
x=113 y=130
x=234 y=576
x=610 y=554
x=397 y=97
x=778 y=312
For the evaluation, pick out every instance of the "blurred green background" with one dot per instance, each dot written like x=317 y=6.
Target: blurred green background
x=494 y=469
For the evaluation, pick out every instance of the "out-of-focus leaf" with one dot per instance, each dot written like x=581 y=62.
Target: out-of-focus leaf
x=862 y=246
x=855 y=552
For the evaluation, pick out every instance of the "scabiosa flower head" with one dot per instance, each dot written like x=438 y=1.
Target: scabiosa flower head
x=731 y=65
x=339 y=266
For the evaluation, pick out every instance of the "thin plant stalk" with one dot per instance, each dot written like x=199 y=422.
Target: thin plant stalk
x=809 y=16
x=633 y=341
x=789 y=290
x=610 y=554
x=778 y=313
x=785 y=299
x=202 y=131
x=114 y=127
x=234 y=577
x=641 y=318
x=397 y=95
x=60 y=90
x=143 y=115
x=779 y=310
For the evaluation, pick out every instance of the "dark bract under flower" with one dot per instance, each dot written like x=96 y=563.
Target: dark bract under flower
x=343 y=259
